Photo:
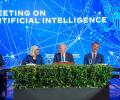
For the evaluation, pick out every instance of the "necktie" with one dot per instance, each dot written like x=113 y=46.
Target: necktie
x=62 y=58
x=94 y=58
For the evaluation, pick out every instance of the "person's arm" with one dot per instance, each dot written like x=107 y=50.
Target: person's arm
x=25 y=60
x=55 y=58
x=102 y=59
x=72 y=59
x=41 y=60
x=85 y=59
x=1 y=61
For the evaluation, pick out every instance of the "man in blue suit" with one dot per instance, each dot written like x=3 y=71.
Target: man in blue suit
x=63 y=56
x=94 y=57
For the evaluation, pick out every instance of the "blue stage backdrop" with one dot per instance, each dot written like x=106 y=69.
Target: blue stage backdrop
x=17 y=38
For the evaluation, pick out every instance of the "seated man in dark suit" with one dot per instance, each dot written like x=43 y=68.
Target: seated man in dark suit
x=33 y=57
x=63 y=56
x=2 y=80
x=94 y=57
x=1 y=61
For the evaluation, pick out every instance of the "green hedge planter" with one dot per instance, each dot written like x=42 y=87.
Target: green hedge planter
x=62 y=82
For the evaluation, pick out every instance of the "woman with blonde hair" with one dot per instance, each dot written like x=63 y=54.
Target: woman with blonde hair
x=33 y=57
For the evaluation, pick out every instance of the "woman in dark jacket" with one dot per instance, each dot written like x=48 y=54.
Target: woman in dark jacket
x=33 y=57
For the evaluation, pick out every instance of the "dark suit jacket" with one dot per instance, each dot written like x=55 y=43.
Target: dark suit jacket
x=29 y=59
x=99 y=58
x=2 y=80
x=57 y=57
x=1 y=60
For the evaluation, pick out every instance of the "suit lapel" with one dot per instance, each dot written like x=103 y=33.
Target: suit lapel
x=96 y=60
x=66 y=57
x=90 y=56
x=37 y=60
x=30 y=59
x=59 y=57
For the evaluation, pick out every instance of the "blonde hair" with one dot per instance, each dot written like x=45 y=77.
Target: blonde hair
x=32 y=50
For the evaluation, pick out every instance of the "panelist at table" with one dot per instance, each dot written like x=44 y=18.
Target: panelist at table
x=33 y=57
x=94 y=57
x=2 y=80
x=1 y=61
x=62 y=56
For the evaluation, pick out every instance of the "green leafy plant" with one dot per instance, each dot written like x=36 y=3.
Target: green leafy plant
x=61 y=76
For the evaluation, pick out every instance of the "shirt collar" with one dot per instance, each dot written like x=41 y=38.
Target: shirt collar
x=93 y=54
